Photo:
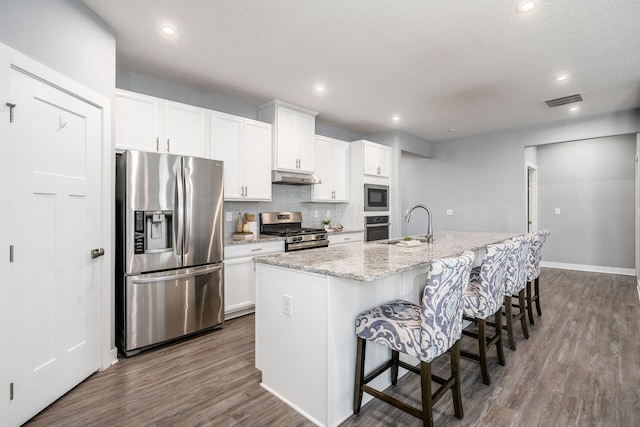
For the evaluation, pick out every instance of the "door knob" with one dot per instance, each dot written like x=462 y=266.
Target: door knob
x=95 y=253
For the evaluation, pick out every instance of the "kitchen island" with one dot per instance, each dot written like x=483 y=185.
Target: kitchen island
x=306 y=305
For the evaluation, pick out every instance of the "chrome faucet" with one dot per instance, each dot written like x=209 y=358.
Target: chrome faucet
x=429 y=234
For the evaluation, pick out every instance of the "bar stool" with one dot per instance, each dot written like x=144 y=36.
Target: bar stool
x=515 y=283
x=533 y=272
x=484 y=298
x=423 y=331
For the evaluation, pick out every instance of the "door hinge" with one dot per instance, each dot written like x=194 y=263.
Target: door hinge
x=11 y=253
x=11 y=107
x=10 y=391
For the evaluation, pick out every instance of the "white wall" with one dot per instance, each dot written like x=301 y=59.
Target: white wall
x=481 y=177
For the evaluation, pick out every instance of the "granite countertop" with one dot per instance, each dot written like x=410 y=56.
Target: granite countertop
x=374 y=260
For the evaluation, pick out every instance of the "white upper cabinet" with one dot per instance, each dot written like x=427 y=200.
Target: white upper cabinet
x=138 y=121
x=153 y=124
x=331 y=158
x=294 y=131
x=245 y=148
x=185 y=129
x=376 y=159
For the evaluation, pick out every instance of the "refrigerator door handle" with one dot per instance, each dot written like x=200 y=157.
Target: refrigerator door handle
x=186 y=204
x=199 y=272
x=179 y=223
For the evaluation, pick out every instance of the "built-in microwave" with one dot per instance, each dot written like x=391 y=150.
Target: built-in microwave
x=376 y=197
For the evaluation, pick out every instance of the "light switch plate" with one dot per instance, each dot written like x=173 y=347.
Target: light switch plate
x=449 y=212
x=228 y=216
x=557 y=211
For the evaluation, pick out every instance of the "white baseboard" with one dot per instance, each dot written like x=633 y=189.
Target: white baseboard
x=297 y=409
x=592 y=268
x=638 y=280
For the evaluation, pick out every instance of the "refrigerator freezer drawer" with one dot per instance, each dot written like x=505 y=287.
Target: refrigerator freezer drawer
x=167 y=305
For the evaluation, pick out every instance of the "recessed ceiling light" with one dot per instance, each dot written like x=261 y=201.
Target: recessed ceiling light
x=572 y=109
x=169 y=30
x=320 y=88
x=562 y=77
x=453 y=130
x=396 y=118
x=526 y=6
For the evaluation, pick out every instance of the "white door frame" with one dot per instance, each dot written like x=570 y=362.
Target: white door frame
x=21 y=62
x=637 y=212
x=531 y=196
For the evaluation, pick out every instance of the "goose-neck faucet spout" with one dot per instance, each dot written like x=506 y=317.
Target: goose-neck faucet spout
x=429 y=234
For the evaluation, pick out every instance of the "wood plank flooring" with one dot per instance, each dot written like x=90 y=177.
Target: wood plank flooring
x=581 y=366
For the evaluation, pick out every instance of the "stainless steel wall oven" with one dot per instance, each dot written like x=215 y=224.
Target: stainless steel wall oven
x=376 y=228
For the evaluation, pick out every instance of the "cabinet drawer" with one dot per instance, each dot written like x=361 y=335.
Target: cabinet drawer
x=242 y=250
x=339 y=239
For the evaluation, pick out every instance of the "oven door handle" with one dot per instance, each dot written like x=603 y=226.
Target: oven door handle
x=308 y=244
x=378 y=225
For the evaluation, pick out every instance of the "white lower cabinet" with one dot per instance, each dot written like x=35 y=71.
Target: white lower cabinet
x=239 y=275
x=345 y=237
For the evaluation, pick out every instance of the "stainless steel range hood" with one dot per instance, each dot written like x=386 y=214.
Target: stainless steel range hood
x=293 y=178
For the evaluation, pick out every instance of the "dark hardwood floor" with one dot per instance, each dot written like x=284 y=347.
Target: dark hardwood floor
x=580 y=367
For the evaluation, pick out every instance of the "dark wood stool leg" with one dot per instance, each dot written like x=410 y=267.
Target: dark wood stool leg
x=455 y=372
x=523 y=320
x=482 y=351
x=427 y=405
x=509 y=316
x=537 y=296
x=395 y=357
x=529 y=303
x=499 y=347
x=357 y=393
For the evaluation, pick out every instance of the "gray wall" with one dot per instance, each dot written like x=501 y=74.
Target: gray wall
x=482 y=178
x=592 y=183
x=65 y=36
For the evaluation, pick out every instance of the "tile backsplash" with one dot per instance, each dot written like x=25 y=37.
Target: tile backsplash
x=286 y=198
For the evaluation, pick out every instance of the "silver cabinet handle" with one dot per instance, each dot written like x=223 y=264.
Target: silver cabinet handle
x=95 y=253
x=158 y=143
x=168 y=145
x=256 y=249
x=378 y=170
x=347 y=238
x=246 y=190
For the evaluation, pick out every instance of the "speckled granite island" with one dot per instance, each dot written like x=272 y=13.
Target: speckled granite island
x=307 y=357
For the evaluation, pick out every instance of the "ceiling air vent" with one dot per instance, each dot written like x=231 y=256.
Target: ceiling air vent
x=556 y=102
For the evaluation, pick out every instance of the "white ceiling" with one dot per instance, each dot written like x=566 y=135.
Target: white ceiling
x=474 y=66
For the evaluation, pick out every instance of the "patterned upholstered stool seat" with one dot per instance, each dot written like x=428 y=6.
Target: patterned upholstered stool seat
x=423 y=331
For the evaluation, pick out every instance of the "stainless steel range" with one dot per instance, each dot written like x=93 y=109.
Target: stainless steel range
x=289 y=226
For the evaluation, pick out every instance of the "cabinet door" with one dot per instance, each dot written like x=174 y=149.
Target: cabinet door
x=239 y=287
x=185 y=130
x=370 y=158
x=324 y=170
x=384 y=160
x=286 y=144
x=226 y=145
x=340 y=173
x=257 y=160
x=306 y=130
x=376 y=159
x=138 y=122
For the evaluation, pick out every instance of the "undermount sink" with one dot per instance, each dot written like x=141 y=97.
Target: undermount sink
x=394 y=241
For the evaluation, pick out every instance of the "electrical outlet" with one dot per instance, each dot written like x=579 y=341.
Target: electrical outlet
x=287 y=305
x=557 y=211
x=315 y=214
x=328 y=214
x=228 y=216
x=449 y=211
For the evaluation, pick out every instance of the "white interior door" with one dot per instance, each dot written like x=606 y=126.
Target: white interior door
x=55 y=222
x=532 y=198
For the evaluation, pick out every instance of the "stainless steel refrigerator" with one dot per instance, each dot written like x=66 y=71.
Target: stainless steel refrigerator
x=169 y=240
